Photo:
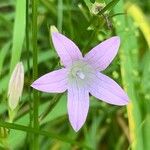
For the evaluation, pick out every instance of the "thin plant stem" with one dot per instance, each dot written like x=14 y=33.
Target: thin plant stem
x=44 y=133
x=28 y=53
x=27 y=36
x=60 y=15
x=28 y=71
x=35 y=73
x=70 y=19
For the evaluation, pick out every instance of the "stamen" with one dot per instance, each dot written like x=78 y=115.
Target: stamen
x=80 y=74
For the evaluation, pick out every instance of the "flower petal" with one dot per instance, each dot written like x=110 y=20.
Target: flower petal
x=78 y=105
x=53 y=82
x=66 y=49
x=108 y=90
x=102 y=55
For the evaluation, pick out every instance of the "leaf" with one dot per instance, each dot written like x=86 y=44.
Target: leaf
x=88 y=3
x=146 y=73
x=109 y=6
x=3 y=53
x=127 y=67
x=142 y=23
x=146 y=88
x=18 y=32
x=136 y=13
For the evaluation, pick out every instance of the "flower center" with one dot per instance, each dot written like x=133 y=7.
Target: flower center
x=81 y=73
x=77 y=72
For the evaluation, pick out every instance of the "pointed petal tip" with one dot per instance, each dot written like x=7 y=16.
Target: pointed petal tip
x=124 y=102
x=33 y=85
x=36 y=87
x=75 y=128
x=127 y=102
x=126 y=99
x=116 y=39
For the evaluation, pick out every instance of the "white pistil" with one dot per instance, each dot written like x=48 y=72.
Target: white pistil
x=80 y=74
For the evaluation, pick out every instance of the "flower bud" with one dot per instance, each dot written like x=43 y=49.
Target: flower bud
x=16 y=86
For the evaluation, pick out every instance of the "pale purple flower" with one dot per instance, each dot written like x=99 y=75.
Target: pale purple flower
x=80 y=76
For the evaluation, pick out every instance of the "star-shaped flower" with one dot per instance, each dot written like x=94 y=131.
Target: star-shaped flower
x=81 y=77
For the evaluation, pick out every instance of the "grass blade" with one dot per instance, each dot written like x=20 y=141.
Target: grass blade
x=3 y=53
x=18 y=32
x=127 y=68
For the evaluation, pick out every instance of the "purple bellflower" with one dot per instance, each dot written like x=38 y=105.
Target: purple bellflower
x=81 y=77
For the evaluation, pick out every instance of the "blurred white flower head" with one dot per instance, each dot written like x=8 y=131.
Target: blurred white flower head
x=15 y=86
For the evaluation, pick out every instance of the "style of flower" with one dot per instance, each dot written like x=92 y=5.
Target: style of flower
x=81 y=77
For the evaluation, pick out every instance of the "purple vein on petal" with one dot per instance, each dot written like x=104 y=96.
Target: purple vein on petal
x=52 y=82
x=110 y=88
x=78 y=104
x=66 y=49
x=102 y=55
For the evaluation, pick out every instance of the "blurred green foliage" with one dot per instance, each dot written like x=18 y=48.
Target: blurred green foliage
x=107 y=127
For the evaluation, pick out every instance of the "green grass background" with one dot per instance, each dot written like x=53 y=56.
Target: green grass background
x=41 y=121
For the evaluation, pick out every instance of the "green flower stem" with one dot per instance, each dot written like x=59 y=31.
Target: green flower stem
x=27 y=36
x=70 y=19
x=44 y=133
x=28 y=72
x=60 y=15
x=35 y=73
